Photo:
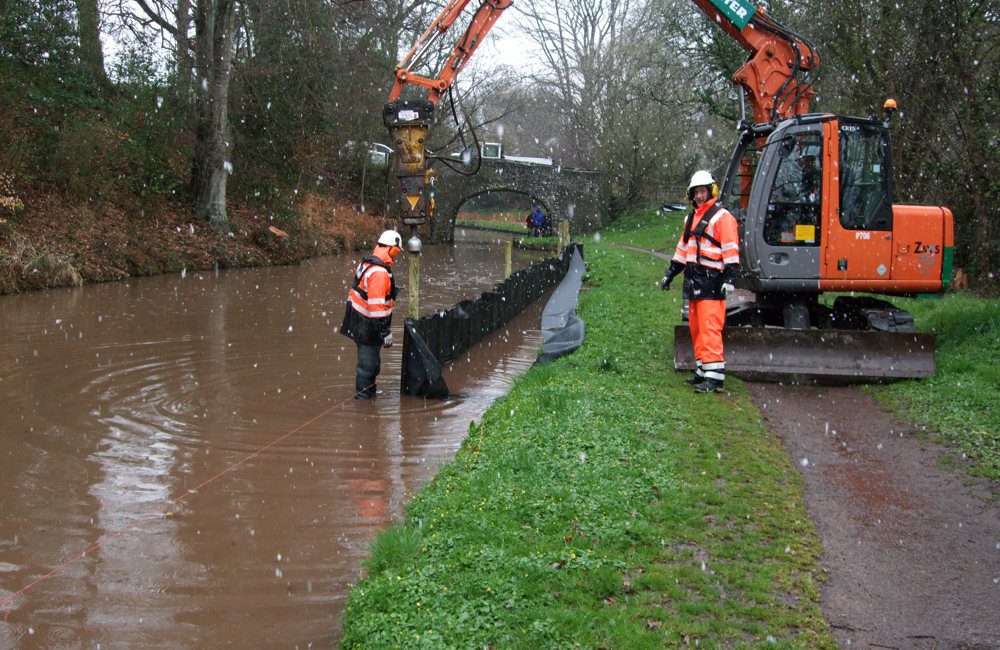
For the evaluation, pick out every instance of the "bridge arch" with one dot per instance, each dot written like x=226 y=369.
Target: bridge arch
x=575 y=195
x=531 y=197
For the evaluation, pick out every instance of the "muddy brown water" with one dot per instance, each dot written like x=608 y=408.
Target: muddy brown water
x=181 y=462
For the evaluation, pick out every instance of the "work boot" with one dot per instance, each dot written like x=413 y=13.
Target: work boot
x=366 y=394
x=708 y=386
x=694 y=379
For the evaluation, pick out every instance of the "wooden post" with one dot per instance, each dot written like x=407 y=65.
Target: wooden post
x=508 y=253
x=413 y=290
x=563 y=230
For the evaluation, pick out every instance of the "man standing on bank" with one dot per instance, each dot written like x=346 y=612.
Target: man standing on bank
x=708 y=253
x=368 y=315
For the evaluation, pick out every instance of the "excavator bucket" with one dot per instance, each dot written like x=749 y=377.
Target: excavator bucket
x=774 y=353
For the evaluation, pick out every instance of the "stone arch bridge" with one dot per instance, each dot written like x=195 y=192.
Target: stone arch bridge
x=577 y=195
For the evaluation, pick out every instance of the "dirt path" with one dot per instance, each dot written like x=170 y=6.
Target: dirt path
x=911 y=549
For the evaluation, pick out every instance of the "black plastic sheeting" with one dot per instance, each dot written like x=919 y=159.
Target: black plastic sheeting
x=562 y=329
x=437 y=339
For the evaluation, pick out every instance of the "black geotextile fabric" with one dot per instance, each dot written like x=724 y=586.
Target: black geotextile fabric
x=562 y=329
x=434 y=340
x=421 y=371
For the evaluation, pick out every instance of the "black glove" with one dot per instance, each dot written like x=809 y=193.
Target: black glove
x=728 y=275
x=672 y=272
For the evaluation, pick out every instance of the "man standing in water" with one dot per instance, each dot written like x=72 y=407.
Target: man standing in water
x=368 y=314
x=708 y=253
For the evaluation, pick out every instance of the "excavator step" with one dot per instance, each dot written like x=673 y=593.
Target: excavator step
x=776 y=353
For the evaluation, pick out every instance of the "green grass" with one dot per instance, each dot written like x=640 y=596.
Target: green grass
x=516 y=228
x=962 y=400
x=525 y=241
x=603 y=504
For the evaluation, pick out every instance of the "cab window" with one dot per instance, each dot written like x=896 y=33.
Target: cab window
x=865 y=203
x=793 y=204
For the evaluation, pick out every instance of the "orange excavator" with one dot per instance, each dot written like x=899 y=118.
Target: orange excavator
x=812 y=193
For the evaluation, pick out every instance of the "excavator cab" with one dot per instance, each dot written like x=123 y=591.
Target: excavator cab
x=813 y=196
x=776 y=187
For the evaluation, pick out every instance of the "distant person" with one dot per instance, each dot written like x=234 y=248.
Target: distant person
x=708 y=253
x=368 y=315
x=539 y=224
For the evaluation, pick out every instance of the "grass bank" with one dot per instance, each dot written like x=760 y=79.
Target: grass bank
x=603 y=504
x=960 y=404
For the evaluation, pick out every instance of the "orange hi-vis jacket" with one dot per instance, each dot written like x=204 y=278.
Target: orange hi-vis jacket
x=708 y=249
x=371 y=299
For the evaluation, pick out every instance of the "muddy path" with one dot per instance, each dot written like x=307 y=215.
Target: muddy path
x=911 y=548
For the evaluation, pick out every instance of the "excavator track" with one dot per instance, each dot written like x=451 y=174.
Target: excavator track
x=779 y=354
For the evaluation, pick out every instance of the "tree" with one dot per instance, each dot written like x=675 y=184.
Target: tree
x=623 y=93
x=214 y=22
x=91 y=51
x=939 y=60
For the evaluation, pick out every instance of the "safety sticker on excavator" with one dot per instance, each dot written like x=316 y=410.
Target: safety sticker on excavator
x=806 y=233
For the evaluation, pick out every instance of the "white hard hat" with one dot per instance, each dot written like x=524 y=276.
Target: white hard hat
x=701 y=178
x=390 y=238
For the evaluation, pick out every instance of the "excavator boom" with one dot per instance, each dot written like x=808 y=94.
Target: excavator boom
x=777 y=76
x=481 y=23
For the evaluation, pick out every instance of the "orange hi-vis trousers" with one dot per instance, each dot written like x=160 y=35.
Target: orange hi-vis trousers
x=706 y=319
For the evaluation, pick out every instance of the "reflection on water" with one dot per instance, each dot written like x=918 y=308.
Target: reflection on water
x=127 y=406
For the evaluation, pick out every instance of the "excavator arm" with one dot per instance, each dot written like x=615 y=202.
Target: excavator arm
x=409 y=120
x=775 y=79
x=482 y=21
x=777 y=76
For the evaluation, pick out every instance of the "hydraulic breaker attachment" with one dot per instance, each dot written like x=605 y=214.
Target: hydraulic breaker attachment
x=774 y=353
x=408 y=122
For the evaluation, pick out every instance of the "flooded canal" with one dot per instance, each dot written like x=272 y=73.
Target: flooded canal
x=182 y=464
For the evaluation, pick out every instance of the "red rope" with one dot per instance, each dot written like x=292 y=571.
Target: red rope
x=9 y=599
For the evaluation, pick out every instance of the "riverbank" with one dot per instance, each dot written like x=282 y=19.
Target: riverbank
x=602 y=504
x=50 y=244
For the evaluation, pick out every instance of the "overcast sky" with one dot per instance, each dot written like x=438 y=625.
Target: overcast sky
x=504 y=45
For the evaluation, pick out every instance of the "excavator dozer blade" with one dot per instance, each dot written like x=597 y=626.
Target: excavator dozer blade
x=774 y=353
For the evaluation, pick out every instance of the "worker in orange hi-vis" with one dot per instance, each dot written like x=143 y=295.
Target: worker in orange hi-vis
x=708 y=253
x=368 y=316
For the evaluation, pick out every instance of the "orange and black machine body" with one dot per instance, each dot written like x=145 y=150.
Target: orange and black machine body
x=817 y=215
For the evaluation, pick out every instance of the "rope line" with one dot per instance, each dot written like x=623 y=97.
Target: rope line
x=9 y=599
